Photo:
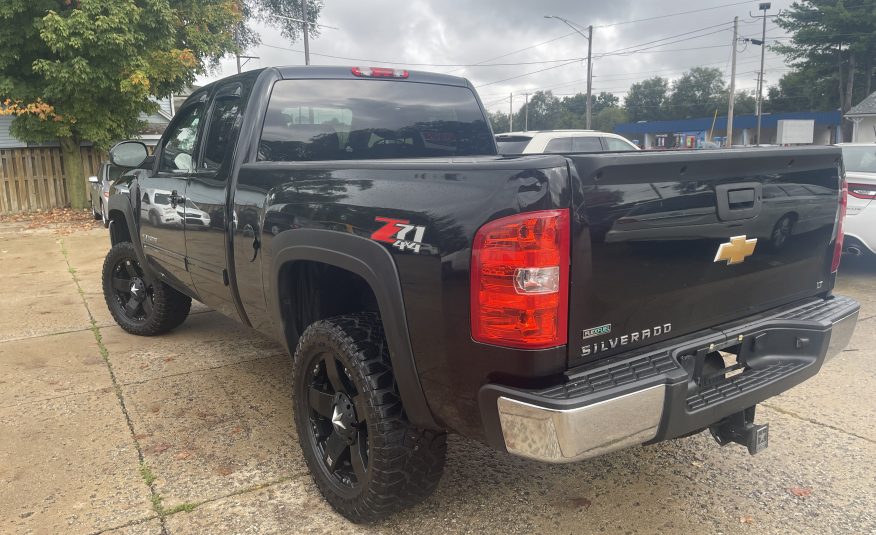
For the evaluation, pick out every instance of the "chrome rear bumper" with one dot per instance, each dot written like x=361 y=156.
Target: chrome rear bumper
x=560 y=436
x=651 y=395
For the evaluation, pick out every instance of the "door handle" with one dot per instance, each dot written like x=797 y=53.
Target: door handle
x=252 y=232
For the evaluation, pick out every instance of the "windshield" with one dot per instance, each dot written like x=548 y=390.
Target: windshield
x=860 y=159
x=315 y=120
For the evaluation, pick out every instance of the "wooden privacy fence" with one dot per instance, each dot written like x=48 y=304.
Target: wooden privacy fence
x=34 y=179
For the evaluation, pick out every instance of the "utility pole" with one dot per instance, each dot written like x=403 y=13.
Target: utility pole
x=764 y=6
x=729 y=142
x=589 y=75
x=589 y=37
x=305 y=32
x=511 y=113
x=526 y=115
x=306 y=39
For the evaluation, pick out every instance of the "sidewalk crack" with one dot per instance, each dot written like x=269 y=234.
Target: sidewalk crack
x=793 y=414
x=104 y=353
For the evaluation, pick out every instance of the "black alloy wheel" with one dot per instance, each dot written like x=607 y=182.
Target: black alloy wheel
x=365 y=457
x=139 y=305
x=134 y=296
x=782 y=231
x=339 y=433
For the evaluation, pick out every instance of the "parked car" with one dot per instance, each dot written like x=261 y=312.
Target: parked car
x=425 y=285
x=164 y=208
x=561 y=142
x=859 y=160
x=100 y=189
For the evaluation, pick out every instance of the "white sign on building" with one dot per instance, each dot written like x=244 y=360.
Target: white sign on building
x=791 y=131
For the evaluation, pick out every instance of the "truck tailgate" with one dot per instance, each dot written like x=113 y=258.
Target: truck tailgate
x=664 y=243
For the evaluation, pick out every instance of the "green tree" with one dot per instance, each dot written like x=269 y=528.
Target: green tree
x=84 y=70
x=832 y=50
x=697 y=93
x=604 y=100
x=801 y=90
x=499 y=121
x=608 y=118
x=545 y=112
x=645 y=100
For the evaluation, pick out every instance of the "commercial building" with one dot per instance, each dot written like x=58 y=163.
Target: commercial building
x=819 y=128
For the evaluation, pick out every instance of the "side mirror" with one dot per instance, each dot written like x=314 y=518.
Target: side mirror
x=93 y=179
x=128 y=154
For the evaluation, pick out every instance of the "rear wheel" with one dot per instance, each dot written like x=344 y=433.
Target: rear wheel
x=94 y=213
x=366 y=459
x=140 y=307
x=782 y=230
x=103 y=216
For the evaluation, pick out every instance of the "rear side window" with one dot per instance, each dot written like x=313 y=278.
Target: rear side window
x=586 y=144
x=223 y=128
x=315 y=120
x=613 y=143
x=560 y=144
x=512 y=144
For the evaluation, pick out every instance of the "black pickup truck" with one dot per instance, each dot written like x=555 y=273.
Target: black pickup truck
x=556 y=307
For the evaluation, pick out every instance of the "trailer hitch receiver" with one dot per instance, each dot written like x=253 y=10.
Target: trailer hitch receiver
x=741 y=429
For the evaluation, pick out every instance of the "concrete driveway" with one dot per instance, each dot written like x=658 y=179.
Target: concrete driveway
x=192 y=432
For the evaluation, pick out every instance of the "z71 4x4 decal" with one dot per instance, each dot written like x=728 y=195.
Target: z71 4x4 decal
x=400 y=233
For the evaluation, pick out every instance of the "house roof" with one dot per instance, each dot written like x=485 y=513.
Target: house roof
x=865 y=107
x=770 y=120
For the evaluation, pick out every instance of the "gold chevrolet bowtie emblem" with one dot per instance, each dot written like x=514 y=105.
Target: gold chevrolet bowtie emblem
x=736 y=250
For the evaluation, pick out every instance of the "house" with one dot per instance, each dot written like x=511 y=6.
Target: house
x=863 y=117
x=155 y=124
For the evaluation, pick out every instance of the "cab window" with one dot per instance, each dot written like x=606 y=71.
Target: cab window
x=224 y=125
x=178 y=149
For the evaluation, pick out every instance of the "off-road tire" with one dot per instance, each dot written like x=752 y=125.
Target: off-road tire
x=169 y=307
x=404 y=462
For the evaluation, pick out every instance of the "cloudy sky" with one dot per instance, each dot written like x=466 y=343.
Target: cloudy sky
x=505 y=47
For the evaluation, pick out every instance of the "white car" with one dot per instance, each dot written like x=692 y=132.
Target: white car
x=156 y=207
x=561 y=141
x=859 y=228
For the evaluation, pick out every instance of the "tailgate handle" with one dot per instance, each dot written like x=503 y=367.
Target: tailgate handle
x=739 y=201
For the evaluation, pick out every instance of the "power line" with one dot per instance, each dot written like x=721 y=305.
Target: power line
x=671 y=15
x=408 y=64
x=608 y=26
x=526 y=74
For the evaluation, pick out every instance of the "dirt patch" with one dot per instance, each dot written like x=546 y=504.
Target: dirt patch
x=61 y=221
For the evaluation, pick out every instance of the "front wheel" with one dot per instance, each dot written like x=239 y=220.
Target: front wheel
x=140 y=307
x=366 y=459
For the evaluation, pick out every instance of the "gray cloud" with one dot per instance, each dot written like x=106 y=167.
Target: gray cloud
x=466 y=32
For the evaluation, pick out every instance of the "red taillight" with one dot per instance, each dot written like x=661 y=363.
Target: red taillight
x=520 y=281
x=840 y=218
x=862 y=191
x=379 y=72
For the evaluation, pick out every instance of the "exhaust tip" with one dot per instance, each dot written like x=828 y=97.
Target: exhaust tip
x=854 y=250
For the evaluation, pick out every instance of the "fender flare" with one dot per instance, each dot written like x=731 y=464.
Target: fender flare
x=375 y=265
x=122 y=203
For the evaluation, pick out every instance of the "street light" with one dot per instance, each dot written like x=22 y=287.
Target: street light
x=589 y=38
x=763 y=6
